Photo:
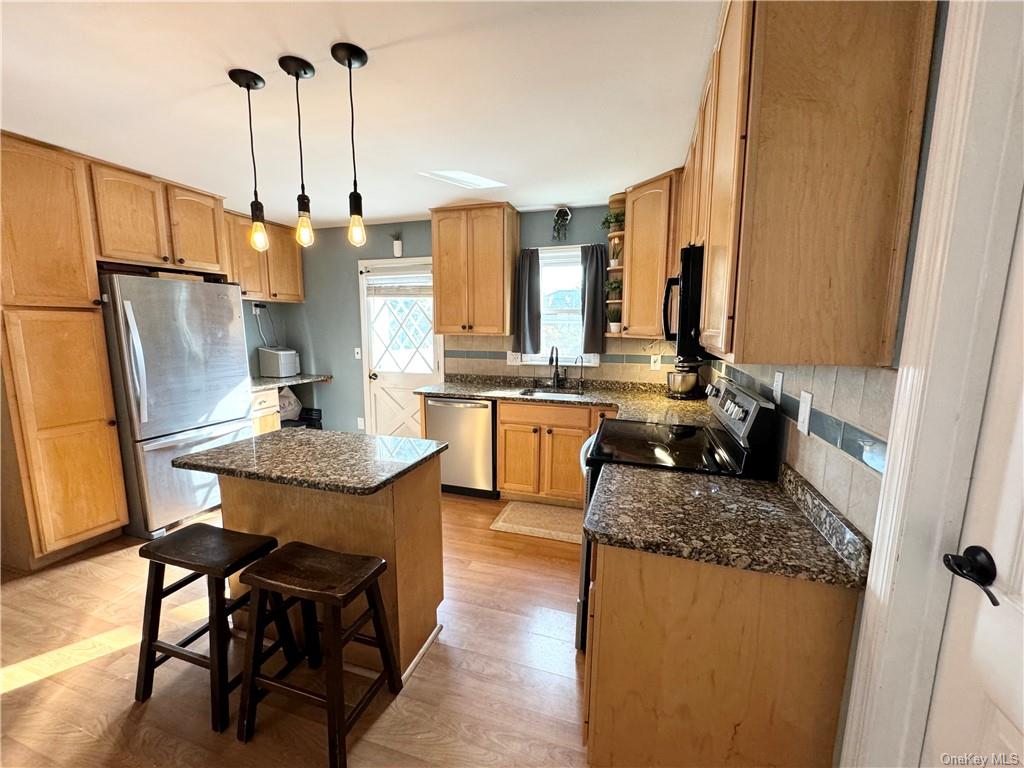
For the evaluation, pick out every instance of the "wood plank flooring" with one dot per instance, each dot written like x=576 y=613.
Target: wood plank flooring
x=501 y=686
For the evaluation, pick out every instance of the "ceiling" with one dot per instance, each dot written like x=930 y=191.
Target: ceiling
x=564 y=102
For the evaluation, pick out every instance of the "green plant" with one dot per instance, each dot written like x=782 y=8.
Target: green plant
x=396 y=235
x=613 y=220
x=613 y=286
x=614 y=314
x=617 y=250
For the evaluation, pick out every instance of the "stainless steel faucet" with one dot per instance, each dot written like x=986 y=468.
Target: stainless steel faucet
x=579 y=383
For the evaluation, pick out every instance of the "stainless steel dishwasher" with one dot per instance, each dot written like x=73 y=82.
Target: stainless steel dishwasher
x=468 y=428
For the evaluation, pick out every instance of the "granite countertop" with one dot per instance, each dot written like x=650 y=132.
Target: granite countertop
x=750 y=524
x=343 y=462
x=264 y=383
x=636 y=402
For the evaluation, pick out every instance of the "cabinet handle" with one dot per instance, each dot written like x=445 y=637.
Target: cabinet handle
x=536 y=430
x=181 y=261
x=166 y=258
x=112 y=423
x=549 y=430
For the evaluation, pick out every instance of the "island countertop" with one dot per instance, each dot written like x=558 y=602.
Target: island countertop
x=342 y=462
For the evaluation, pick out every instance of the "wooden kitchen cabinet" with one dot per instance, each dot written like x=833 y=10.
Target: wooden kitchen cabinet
x=474 y=250
x=705 y=141
x=519 y=458
x=560 y=462
x=645 y=254
x=131 y=216
x=197 y=229
x=63 y=430
x=266 y=412
x=694 y=664
x=249 y=267
x=49 y=254
x=284 y=265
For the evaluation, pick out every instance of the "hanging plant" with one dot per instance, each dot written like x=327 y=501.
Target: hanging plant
x=614 y=221
x=560 y=230
x=396 y=243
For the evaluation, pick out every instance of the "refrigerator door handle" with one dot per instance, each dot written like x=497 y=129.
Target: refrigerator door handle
x=137 y=359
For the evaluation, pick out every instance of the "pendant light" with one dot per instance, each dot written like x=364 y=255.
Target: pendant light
x=300 y=69
x=352 y=57
x=258 y=239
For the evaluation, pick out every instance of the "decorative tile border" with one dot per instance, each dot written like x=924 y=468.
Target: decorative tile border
x=846 y=540
x=866 y=448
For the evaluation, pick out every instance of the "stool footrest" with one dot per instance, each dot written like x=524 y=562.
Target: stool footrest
x=179 y=584
x=353 y=629
x=279 y=686
x=364 y=702
x=169 y=649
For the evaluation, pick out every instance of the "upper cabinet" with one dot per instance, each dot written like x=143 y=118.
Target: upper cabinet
x=474 y=249
x=197 y=229
x=48 y=247
x=808 y=142
x=284 y=259
x=645 y=255
x=249 y=267
x=131 y=216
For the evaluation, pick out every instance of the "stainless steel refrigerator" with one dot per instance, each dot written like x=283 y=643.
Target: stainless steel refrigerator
x=180 y=371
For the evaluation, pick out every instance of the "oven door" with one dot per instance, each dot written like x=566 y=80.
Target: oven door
x=586 y=554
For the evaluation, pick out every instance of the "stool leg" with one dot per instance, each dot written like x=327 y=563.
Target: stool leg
x=253 y=663
x=380 y=629
x=311 y=634
x=219 y=635
x=336 y=757
x=150 y=631
x=292 y=654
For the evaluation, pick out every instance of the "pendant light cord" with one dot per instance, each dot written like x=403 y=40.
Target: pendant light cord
x=352 y=131
x=298 y=111
x=252 y=146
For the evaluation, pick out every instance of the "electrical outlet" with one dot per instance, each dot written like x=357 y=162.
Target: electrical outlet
x=803 y=422
x=655 y=362
x=777 y=387
x=256 y=309
x=513 y=358
x=358 y=353
x=360 y=422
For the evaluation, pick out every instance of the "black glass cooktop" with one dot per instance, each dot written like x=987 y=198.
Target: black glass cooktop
x=681 y=447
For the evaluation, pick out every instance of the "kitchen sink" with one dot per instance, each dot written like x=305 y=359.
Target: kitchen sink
x=549 y=392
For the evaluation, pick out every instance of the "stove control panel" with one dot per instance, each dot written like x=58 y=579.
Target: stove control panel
x=736 y=407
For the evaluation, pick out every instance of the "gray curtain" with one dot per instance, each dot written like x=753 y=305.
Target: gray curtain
x=595 y=271
x=526 y=303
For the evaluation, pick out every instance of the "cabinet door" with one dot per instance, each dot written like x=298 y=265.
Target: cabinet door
x=49 y=258
x=486 y=236
x=197 y=229
x=705 y=148
x=560 y=463
x=61 y=400
x=266 y=421
x=647 y=237
x=284 y=265
x=249 y=267
x=131 y=216
x=451 y=271
x=721 y=246
x=519 y=458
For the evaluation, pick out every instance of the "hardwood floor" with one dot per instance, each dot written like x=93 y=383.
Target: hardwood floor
x=500 y=686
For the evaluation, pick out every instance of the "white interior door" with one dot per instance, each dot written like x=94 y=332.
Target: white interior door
x=978 y=699
x=401 y=352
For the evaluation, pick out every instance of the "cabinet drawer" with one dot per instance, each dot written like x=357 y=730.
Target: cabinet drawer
x=262 y=401
x=600 y=414
x=548 y=415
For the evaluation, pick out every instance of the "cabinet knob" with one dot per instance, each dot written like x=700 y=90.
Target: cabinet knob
x=97 y=302
x=112 y=423
x=181 y=261
x=463 y=327
x=625 y=327
x=549 y=430
x=536 y=430
x=274 y=295
x=471 y=327
x=245 y=293
x=166 y=258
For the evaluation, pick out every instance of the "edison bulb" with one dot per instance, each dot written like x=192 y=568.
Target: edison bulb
x=304 y=231
x=258 y=237
x=356 y=231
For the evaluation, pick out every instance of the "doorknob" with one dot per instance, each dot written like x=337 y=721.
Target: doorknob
x=976 y=565
x=373 y=376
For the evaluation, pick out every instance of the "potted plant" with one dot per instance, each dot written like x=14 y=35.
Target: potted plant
x=396 y=243
x=613 y=289
x=615 y=319
x=614 y=221
x=615 y=260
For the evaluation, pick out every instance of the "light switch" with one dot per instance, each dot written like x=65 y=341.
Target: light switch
x=777 y=387
x=357 y=353
x=803 y=422
x=360 y=422
x=655 y=362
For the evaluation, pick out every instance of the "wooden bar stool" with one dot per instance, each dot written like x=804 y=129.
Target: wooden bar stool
x=333 y=580
x=216 y=553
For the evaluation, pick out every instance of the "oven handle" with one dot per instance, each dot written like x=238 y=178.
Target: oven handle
x=666 y=304
x=585 y=451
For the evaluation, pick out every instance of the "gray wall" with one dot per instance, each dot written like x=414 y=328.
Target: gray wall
x=325 y=328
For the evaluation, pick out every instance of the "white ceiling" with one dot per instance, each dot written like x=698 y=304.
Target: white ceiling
x=564 y=102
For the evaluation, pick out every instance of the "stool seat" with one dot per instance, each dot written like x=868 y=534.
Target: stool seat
x=209 y=550
x=314 y=573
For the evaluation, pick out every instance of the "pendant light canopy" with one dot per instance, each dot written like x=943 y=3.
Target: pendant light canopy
x=300 y=69
x=352 y=57
x=258 y=239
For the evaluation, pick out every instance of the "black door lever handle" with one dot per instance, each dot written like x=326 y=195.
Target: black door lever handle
x=976 y=565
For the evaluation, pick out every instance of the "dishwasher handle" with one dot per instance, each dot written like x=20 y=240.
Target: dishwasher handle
x=450 y=403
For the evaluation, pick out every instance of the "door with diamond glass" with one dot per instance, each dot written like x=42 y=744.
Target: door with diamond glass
x=400 y=350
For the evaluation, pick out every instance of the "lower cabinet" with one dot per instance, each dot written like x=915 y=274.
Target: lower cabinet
x=62 y=480
x=266 y=412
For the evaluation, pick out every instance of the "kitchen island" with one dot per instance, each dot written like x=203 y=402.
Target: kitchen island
x=350 y=492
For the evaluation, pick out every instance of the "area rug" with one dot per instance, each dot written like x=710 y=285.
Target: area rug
x=544 y=521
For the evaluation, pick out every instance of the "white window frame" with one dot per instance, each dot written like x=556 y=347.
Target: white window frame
x=557 y=253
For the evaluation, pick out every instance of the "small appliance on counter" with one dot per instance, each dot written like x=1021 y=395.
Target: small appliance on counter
x=680 y=315
x=278 y=362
